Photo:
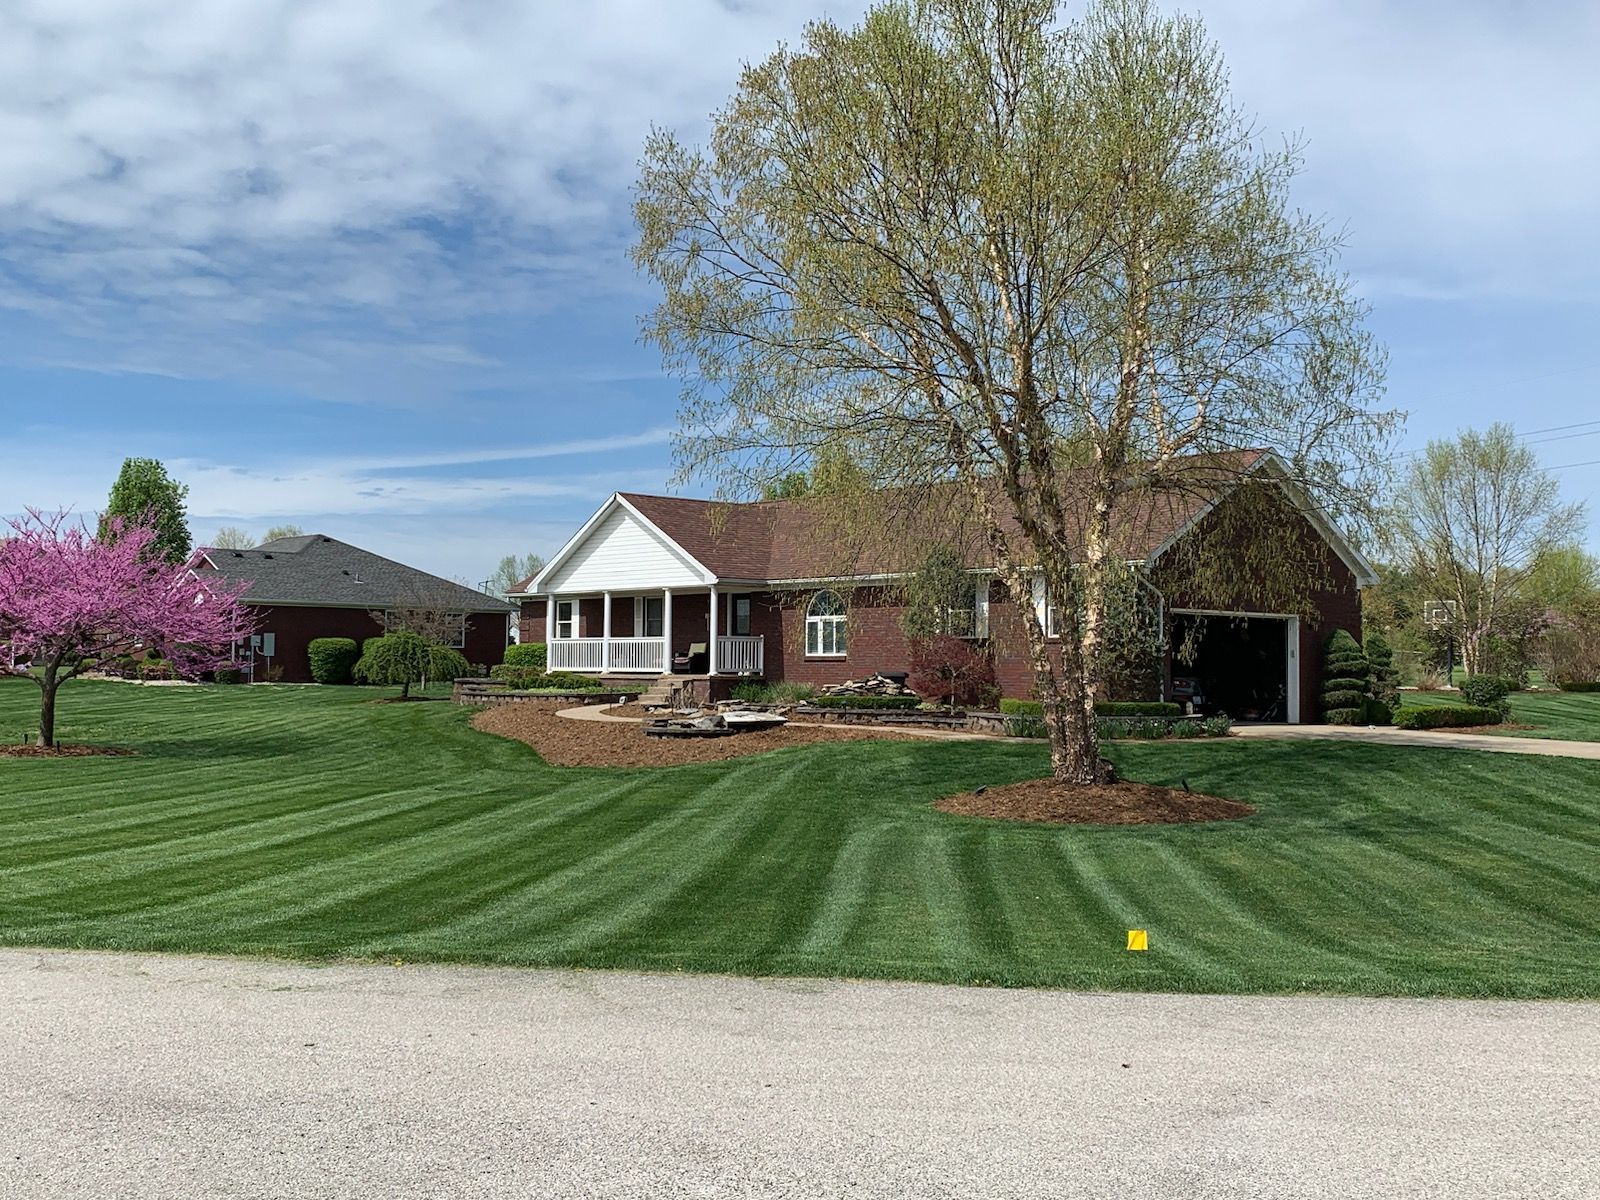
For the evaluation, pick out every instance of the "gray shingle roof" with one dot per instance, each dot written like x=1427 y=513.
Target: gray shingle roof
x=314 y=569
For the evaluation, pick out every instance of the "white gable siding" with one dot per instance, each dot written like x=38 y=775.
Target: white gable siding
x=621 y=553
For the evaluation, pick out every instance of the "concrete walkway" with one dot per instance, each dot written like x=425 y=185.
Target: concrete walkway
x=1435 y=738
x=142 y=1076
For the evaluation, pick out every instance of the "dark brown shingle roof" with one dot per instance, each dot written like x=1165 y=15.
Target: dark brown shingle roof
x=777 y=540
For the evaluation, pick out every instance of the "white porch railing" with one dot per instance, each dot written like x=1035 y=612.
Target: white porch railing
x=577 y=654
x=740 y=655
x=647 y=655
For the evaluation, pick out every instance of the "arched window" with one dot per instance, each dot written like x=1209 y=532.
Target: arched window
x=825 y=626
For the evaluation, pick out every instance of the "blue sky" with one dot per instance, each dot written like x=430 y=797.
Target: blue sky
x=360 y=265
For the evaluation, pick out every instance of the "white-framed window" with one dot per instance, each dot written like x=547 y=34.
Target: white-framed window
x=739 y=616
x=825 y=630
x=1044 y=607
x=566 y=619
x=458 y=631
x=650 y=619
x=969 y=617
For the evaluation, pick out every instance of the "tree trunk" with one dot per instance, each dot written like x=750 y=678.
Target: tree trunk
x=47 y=705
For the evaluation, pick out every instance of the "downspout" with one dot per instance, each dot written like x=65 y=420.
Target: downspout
x=1161 y=626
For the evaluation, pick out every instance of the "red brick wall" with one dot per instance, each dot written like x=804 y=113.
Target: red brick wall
x=296 y=627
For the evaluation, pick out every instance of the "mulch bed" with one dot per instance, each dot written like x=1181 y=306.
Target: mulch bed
x=563 y=742
x=63 y=751
x=1044 y=800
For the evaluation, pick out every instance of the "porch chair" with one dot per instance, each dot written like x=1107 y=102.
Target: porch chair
x=694 y=661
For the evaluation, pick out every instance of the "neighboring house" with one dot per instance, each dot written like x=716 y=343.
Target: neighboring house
x=648 y=577
x=308 y=587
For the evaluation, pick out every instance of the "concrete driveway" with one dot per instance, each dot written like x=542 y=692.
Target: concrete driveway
x=138 y=1076
x=1444 y=739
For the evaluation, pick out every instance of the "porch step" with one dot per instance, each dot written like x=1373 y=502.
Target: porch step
x=660 y=692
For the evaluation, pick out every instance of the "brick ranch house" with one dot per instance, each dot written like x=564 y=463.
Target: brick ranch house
x=647 y=577
x=312 y=586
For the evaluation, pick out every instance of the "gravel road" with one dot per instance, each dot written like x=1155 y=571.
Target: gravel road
x=142 y=1076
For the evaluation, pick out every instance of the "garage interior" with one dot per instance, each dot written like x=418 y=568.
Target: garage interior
x=1233 y=665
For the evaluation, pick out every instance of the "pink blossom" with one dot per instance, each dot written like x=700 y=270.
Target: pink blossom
x=68 y=596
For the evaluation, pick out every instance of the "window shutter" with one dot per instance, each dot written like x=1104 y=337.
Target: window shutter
x=1038 y=602
x=980 y=608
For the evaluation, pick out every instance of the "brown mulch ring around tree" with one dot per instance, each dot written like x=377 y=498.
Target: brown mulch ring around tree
x=63 y=751
x=563 y=742
x=1046 y=801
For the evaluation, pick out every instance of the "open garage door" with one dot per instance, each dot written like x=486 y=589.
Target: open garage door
x=1244 y=665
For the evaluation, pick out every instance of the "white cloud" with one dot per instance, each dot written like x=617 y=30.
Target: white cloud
x=184 y=165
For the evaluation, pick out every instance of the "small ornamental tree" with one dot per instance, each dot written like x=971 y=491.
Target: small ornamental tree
x=395 y=658
x=1385 y=680
x=69 y=598
x=951 y=671
x=1346 y=681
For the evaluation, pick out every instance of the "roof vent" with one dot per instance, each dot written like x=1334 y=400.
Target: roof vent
x=327 y=540
x=238 y=553
x=266 y=556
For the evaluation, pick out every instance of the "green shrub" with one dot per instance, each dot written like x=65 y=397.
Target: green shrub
x=1445 y=716
x=1105 y=708
x=1579 y=685
x=1379 y=713
x=1385 y=678
x=1137 y=708
x=1026 y=726
x=773 y=693
x=1347 y=680
x=228 y=675
x=522 y=679
x=447 y=663
x=1488 y=691
x=332 y=659
x=887 y=702
x=532 y=656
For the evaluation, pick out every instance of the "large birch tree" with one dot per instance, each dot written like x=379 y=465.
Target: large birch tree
x=967 y=245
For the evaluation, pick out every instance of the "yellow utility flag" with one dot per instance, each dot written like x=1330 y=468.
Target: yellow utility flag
x=1138 y=939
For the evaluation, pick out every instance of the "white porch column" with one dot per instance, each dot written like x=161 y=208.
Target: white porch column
x=711 y=660
x=666 y=631
x=549 y=618
x=605 y=634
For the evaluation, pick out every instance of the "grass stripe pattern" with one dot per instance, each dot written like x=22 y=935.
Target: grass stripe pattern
x=310 y=822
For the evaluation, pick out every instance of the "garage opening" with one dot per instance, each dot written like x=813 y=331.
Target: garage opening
x=1234 y=665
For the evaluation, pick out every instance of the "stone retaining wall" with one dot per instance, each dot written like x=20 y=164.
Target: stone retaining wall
x=492 y=692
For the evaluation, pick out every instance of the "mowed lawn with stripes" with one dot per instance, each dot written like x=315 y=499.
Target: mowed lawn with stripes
x=312 y=822
x=1566 y=716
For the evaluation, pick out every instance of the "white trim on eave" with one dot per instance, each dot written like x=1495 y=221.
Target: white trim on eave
x=616 y=500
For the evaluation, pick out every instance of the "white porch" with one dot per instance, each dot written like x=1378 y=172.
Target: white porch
x=647 y=644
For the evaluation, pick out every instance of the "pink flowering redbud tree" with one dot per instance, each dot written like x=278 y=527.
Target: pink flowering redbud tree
x=69 y=598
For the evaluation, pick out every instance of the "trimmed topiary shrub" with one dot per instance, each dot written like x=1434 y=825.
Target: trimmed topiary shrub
x=332 y=659
x=1347 y=681
x=1488 y=691
x=1385 y=678
x=1579 y=685
x=530 y=656
x=1445 y=716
